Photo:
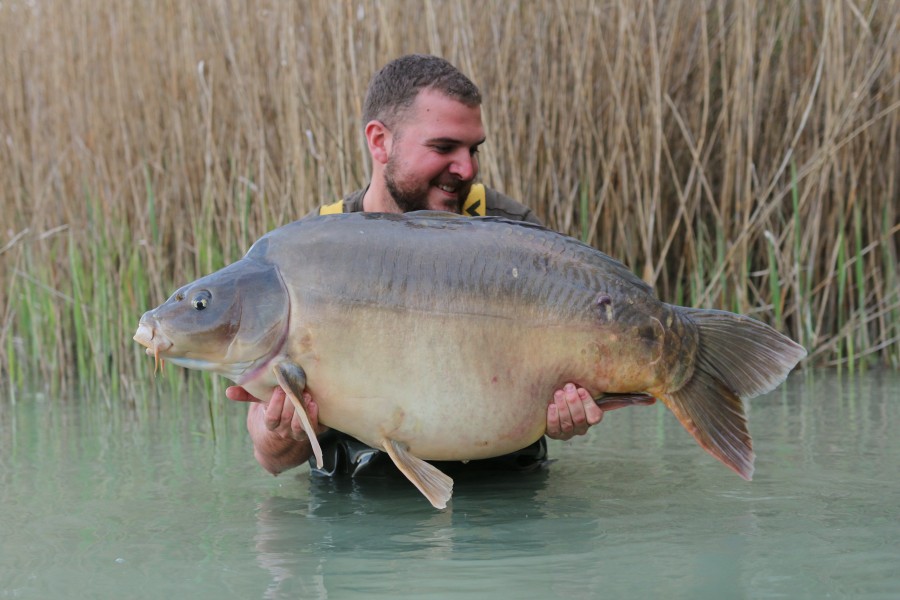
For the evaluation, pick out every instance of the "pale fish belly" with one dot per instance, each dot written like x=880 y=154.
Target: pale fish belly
x=451 y=387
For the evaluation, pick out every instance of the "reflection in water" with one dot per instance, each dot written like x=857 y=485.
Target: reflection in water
x=146 y=503
x=306 y=541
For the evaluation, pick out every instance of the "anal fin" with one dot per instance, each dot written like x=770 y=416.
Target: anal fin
x=434 y=484
x=292 y=380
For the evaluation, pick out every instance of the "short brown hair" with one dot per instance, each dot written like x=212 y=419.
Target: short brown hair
x=394 y=88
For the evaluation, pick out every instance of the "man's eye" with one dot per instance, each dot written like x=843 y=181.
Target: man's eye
x=443 y=149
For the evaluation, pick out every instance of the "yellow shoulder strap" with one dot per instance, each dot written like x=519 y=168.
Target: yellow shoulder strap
x=335 y=208
x=475 y=204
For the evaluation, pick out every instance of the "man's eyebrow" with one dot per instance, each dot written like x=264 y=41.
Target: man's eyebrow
x=452 y=141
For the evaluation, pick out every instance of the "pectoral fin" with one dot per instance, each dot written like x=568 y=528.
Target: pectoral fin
x=435 y=485
x=292 y=379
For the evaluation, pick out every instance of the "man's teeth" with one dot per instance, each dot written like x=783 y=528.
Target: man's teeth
x=447 y=188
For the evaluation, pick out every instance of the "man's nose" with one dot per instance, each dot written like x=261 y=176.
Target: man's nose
x=464 y=166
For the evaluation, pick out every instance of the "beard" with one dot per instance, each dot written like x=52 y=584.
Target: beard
x=412 y=195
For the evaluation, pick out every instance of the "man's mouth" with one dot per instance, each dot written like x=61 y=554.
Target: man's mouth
x=450 y=189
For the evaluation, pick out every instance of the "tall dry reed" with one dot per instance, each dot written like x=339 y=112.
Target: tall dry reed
x=738 y=155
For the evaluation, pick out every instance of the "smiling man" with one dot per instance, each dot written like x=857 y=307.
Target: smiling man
x=431 y=163
x=423 y=129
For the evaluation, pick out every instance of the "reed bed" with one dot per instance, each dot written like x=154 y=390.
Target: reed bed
x=737 y=155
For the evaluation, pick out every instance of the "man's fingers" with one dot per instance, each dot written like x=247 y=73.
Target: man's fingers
x=572 y=412
x=559 y=420
x=593 y=413
x=566 y=422
x=239 y=394
x=275 y=410
x=312 y=409
x=553 y=419
x=575 y=407
x=297 y=431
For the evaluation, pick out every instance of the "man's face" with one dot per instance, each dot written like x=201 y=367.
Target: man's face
x=433 y=158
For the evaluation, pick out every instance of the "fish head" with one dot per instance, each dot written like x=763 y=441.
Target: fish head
x=231 y=322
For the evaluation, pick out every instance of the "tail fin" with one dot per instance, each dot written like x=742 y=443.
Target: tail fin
x=738 y=358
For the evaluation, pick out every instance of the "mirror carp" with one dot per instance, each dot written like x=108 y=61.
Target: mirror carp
x=404 y=327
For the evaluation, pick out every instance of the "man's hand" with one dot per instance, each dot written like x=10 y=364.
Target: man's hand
x=571 y=413
x=279 y=442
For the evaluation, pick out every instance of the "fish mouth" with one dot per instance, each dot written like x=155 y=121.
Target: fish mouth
x=147 y=336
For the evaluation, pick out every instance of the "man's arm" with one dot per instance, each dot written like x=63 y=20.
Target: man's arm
x=279 y=442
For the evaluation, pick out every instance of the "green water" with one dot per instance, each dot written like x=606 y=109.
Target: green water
x=146 y=503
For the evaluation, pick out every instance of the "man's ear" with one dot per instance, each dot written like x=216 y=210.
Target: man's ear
x=379 y=139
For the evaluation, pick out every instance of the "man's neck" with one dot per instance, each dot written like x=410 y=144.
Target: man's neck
x=379 y=200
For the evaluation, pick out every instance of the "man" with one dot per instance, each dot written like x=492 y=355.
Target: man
x=423 y=129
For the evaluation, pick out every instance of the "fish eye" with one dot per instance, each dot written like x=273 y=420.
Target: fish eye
x=201 y=300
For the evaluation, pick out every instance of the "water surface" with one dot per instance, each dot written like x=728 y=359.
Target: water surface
x=151 y=502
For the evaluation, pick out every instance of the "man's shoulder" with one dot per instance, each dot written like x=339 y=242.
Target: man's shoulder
x=353 y=202
x=501 y=205
x=350 y=203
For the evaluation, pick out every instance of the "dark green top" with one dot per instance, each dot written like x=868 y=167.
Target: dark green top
x=496 y=205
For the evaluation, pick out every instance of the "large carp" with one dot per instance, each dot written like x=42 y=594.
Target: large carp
x=402 y=327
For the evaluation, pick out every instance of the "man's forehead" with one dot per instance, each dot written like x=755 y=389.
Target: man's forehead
x=430 y=95
x=442 y=118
